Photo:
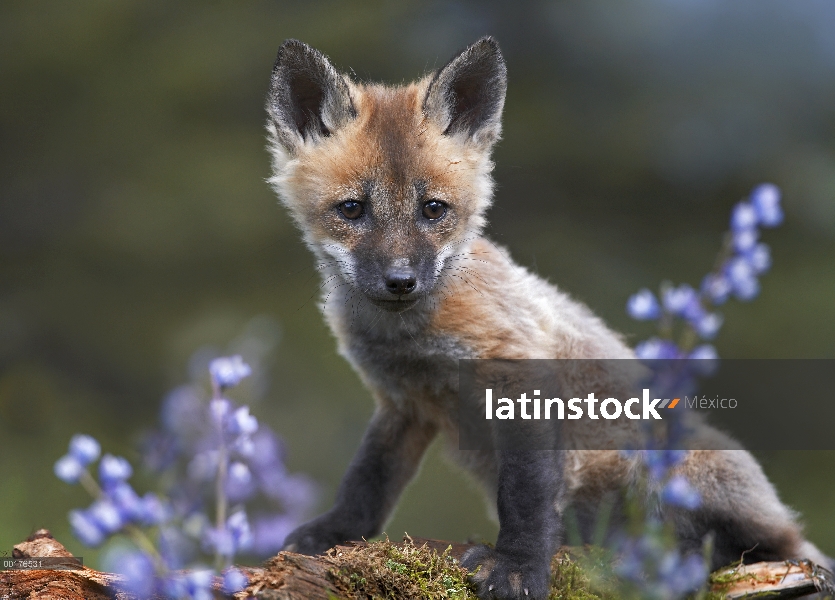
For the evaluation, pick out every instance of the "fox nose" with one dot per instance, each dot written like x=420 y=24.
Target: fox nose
x=401 y=281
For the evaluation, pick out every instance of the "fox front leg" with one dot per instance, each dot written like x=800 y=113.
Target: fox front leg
x=530 y=486
x=387 y=460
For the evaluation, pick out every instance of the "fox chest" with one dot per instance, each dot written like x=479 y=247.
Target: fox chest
x=415 y=373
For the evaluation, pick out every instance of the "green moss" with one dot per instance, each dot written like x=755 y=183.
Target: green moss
x=382 y=570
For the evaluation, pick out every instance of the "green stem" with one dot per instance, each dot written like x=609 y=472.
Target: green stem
x=220 y=484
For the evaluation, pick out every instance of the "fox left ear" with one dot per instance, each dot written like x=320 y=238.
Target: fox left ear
x=308 y=98
x=466 y=96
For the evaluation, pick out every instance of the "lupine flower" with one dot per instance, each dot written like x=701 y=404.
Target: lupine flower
x=238 y=525
x=679 y=492
x=270 y=532
x=643 y=306
x=676 y=300
x=84 y=448
x=234 y=581
x=759 y=258
x=704 y=360
x=656 y=349
x=113 y=470
x=708 y=325
x=68 y=469
x=743 y=278
x=154 y=510
x=242 y=423
x=745 y=239
x=688 y=575
x=106 y=515
x=85 y=528
x=228 y=371
x=215 y=435
x=195 y=585
x=239 y=482
x=136 y=567
x=716 y=287
x=766 y=201
x=128 y=502
x=743 y=217
x=219 y=540
x=175 y=547
x=651 y=561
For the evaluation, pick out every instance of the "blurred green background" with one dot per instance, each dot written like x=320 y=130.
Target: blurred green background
x=137 y=235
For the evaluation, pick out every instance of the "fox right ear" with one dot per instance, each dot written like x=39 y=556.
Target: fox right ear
x=308 y=98
x=466 y=96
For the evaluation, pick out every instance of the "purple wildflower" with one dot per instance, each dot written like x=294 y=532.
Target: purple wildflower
x=745 y=239
x=708 y=325
x=239 y=482
x=238 y=525
x=743 y=217
x=759 y=257
x=679 y=492
x=234 y=581
x=136 y=567
x=676 y=300
x=228 y=371
x=743 y=278
x=68 y=469
x=656 y=349
x=643 y=306
x=765 y=199
x=270 y=532
x=84 y=448
x=154 y=510
x=704 y=361
x=106 y=515
x=113 y=470
x=716 y=287
x=243 y=423
x=127 y=501
x=85 y=528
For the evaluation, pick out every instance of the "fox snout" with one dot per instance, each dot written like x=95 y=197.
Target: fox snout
x=401 y=281
x=395 y=285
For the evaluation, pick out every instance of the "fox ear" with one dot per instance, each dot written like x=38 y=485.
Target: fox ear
x=308 y=98
x=467 y=95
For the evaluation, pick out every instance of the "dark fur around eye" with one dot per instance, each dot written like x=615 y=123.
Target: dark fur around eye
x=434 y=209
x=351 y=209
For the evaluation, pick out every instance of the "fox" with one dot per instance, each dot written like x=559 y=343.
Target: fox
x=390 y=186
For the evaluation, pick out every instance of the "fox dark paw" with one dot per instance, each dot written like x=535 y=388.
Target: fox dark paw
x=499 y=576
x=312 y=538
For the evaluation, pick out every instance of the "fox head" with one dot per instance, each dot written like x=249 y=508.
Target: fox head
x=386 y=183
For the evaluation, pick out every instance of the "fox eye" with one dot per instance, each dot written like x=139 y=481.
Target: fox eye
x=434 y=209
x=351 y=209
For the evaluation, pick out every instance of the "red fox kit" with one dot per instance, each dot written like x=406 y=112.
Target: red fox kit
x=389 y=186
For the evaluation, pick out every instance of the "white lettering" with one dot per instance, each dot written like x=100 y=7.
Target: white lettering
x=605 y=413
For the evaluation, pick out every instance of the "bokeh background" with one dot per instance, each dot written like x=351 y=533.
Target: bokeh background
x=138 y=238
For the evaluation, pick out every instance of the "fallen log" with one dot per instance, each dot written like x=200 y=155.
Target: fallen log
x=410 y=569
x=774 y=580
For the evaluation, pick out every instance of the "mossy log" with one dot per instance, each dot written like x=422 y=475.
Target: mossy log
x=415 y=568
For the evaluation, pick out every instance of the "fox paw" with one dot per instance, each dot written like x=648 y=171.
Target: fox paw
x=499 y=576
x=312 y=538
